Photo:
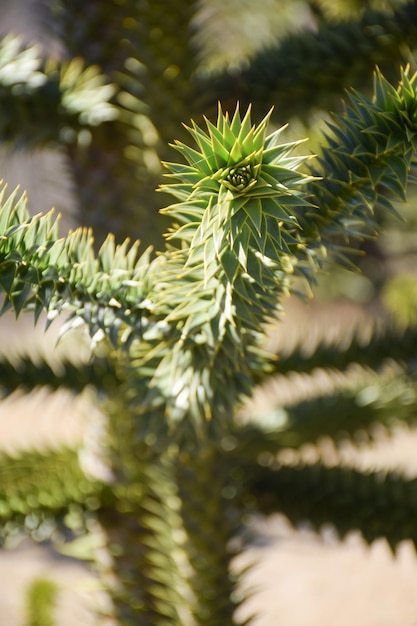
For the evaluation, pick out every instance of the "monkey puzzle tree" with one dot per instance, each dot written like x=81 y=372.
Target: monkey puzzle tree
x=176 y=336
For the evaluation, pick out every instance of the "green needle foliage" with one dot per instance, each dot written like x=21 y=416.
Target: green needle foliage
x=176 y=347
x=350 y=498
x=382 y=345
x=27 y=373
x=44 y=495
x=49 y=103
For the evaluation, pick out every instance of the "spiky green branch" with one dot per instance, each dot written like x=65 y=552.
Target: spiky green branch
x=367 y=163
x=185 y=326
x=49 y=103
x=41 y=272
x=39 y=490
x=245 y=226
x=24 y=373
x=380 y=504
x=372 y=351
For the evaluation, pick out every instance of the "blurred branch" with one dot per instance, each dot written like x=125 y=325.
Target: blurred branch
x=49 y=103
x=24 y=373
x=310 y=70
x=379 y=504
x=40 y=492
x=380 y=344
x=346 y=413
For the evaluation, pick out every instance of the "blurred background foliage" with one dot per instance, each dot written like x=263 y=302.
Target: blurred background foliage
x=41 y=597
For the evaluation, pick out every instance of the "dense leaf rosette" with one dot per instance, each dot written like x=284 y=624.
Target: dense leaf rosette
x=237 y=195
x=227 y=262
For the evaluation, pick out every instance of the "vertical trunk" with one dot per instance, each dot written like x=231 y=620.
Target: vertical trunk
x=211 y=518
x=142 y=568
x=142 y=573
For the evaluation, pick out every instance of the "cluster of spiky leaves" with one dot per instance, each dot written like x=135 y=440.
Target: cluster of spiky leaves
x=367 y=163
x=248 y=220
x=226 y=264
x=236 y=213
x=180 y=354
x=114 y=167
x=42 y=272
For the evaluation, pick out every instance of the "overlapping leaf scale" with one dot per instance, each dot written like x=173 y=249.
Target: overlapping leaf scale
x=204 y=485
x=141 y=529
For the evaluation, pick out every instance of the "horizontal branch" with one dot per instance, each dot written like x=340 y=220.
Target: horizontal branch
x=346 y=413
x=310 y=70
x=389 y=343
x=367 y=163
x=49 y=102
x=24 y=373
x=41 y=272
x=379 y=504
x=38 y=492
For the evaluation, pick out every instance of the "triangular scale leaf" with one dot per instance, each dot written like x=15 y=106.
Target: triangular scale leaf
x=230 y=264
x=7 y=276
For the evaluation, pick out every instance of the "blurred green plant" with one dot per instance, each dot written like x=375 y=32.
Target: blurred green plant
x=41 y=599
x=400 y=297
x=176 y=336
